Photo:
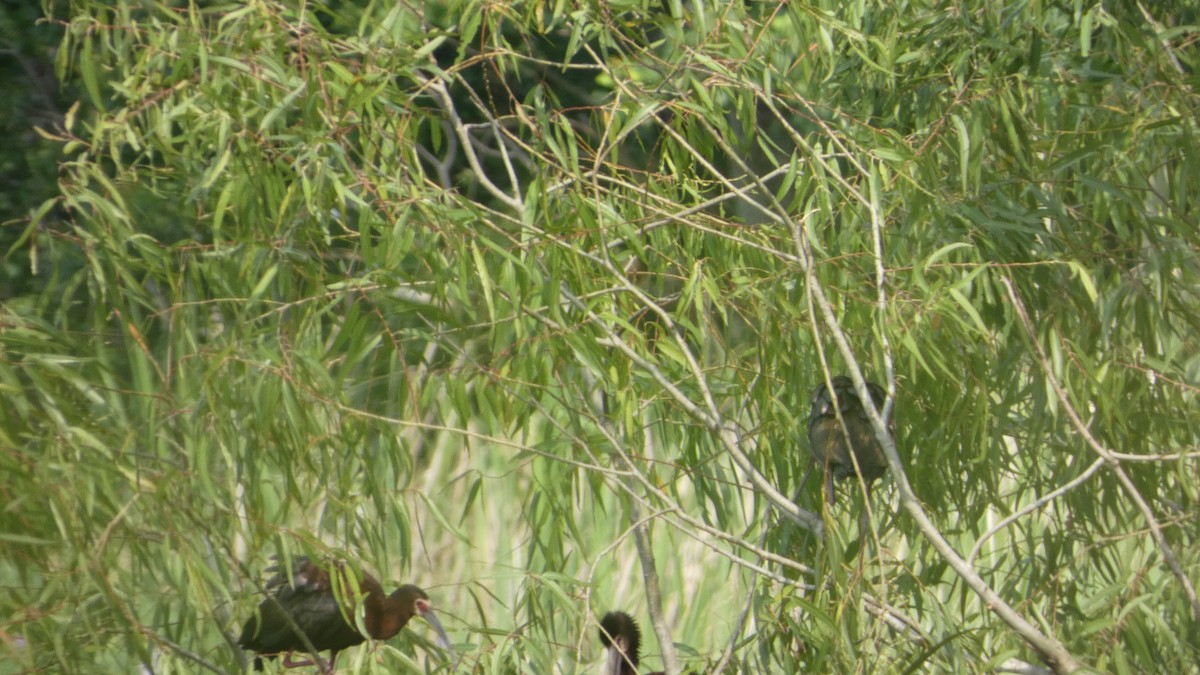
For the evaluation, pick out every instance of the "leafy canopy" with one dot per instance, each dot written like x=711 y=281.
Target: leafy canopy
x=524 y=302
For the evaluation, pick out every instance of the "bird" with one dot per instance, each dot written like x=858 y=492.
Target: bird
x=831 y=443
x=309 y=599
x=619 y=634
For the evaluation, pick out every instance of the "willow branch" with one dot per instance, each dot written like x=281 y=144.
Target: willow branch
x=1037 y=504
x=447 y=104
x=1113 y=463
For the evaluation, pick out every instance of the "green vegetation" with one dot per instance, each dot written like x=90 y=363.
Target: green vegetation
x=524 y=303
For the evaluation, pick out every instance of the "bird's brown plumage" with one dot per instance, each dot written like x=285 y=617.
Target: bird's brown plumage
x=310 y=600
x=831 y=443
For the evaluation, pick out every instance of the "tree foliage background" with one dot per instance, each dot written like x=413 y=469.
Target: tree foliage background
x=524 y=302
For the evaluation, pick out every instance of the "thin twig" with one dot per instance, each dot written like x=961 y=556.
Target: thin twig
x=1037 y=504
x=1113 y=463
x=1166 y=45
x=729 y=435
x=740 y=626
x=447 y=104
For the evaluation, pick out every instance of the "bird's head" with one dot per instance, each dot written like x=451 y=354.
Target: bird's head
x=619 y=634
x=409 y=601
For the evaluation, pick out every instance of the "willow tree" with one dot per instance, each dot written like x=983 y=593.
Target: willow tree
x=525 y=302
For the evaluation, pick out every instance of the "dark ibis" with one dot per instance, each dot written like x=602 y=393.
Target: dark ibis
x=831 y=443
x=313 y=605
x=619 y=634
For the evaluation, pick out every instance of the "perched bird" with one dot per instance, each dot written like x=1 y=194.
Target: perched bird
x=831 y=443
x=311 y=602
x=619 y=634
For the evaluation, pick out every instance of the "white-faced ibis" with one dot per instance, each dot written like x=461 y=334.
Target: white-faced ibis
x=311 y=602
x=620 y=636
x=831 y=442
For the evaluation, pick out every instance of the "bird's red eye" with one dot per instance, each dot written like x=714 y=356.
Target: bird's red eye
x=422 y=606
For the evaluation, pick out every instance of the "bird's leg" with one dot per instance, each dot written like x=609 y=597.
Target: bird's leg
x=804 y=480
x=325 y=666
x=865 y=523
x=866 y=532
x=289 y=663
x=829 y=498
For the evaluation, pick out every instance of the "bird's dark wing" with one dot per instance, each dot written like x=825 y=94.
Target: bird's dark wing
x=308 y=598
x=302 y=573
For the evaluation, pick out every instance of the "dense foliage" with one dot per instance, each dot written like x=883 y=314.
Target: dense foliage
x=524 y=302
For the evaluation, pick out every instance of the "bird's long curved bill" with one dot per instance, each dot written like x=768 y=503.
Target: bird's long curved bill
x=442 y=640
x=616 y=661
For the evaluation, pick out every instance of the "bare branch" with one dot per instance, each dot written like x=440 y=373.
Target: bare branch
x=447 y=104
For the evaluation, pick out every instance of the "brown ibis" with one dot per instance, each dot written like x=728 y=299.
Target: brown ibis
x=327 y=617
x=832 y=440
x=619 y=634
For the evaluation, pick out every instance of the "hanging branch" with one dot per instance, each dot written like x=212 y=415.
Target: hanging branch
x=1113 y=463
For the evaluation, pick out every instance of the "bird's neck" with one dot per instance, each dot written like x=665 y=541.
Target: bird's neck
x=373 y=607
x=391 y=617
